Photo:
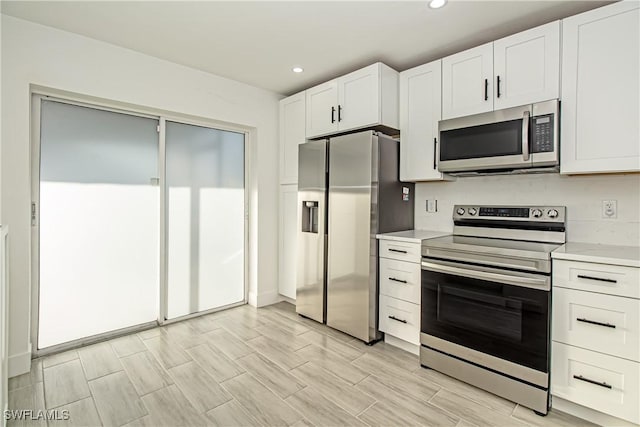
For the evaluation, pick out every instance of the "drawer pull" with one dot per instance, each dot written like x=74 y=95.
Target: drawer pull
x=397 y=250
x=599 y=279
x=587 y=380
x=396 y=319
x=593 y=322
x=397 y=280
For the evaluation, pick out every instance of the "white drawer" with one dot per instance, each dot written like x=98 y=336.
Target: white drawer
x=572 y=368
x=603 y=278
x=400 y=279
x=402 y=251
x=400 y=319
x=605 y=323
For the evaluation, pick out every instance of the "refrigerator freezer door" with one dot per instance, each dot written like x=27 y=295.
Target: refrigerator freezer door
x=351 y=275
x=311 y=248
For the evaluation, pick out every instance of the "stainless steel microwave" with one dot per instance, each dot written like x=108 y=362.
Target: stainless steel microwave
x=519 y=139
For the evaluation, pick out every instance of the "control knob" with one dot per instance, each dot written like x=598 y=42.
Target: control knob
x=537 y=213
x=472 y=211
x=552 y=213
x=460 y=211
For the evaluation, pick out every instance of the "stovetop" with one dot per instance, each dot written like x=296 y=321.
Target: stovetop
x=515 y=237
x=483 y=245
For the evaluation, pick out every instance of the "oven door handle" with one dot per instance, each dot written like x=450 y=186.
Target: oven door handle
x=530 y=282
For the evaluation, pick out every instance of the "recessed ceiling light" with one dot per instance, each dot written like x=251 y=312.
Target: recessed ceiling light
x=436 y=4
x=297 y=69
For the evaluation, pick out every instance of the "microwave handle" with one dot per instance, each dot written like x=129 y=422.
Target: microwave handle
x=525 y=136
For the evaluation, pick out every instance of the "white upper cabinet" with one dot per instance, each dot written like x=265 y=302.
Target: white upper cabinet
x=527 y=67
x=365 y=98
x=358 y=98
x=517 y=70
x=420 y=111
x=600 y=87
x=292 y=133
x=322 y=109
x=467 y=82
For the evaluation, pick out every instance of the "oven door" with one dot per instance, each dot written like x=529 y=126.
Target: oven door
x=497 y=312
x=494 y=140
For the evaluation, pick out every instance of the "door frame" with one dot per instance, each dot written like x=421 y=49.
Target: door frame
x=36 y=96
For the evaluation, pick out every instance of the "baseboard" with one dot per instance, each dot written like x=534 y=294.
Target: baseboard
x=20 y=363
x=402 y=344
x=287 y=299
x=588 y=414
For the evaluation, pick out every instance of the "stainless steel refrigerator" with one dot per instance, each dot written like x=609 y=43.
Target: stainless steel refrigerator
x=348 y=191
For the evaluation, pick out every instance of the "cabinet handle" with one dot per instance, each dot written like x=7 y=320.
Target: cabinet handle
x=599 y=279
x=397 y=250
x=435 y=151
x=498 y=86
x=593 y=322
x=486 y=89
x=404 y=281
x=339 y=113
x=404 y=321
x=333 y=114
x=587 y=380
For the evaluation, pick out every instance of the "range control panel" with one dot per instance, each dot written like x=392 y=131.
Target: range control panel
x=510 y=213
x=542 y=134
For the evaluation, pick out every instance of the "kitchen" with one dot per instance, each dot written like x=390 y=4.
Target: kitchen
x=586 y=219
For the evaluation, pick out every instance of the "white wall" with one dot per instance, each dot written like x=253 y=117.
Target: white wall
x=582 y=195
x=35 y=54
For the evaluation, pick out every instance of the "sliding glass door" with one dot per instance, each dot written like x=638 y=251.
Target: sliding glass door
x=205 y=218
x=99 y=222
x=98 y=263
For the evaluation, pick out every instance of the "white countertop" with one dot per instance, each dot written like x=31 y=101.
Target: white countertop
x=412 y=236
x=603 y=254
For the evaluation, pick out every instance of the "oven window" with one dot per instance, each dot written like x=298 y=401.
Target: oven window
x=501 y=316
x=491 y=140
x=506 y=321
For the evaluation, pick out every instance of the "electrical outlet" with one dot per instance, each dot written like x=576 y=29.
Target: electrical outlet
x=609 y=209
x=432 y=206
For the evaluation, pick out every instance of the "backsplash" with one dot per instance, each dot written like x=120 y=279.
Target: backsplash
x=582 y=195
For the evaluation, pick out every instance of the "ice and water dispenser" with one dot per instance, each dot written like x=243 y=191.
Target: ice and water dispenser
x=309 y=216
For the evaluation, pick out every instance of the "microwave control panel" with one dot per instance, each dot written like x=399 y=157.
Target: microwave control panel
x=542 y=134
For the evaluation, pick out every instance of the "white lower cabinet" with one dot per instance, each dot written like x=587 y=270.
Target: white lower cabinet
x=400 y=279
x=595 y=380
x=605 y=323
x=401 y=251
x=400 y=319
x=595 y=351
x=399 y=303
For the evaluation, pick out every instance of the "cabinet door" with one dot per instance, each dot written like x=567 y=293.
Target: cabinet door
x=420 y=110
x=292 y=133
x=467 y=82
x=322 y=109
x=359 y=98
x=600 y=87
x=527 y=67
x=287 y=236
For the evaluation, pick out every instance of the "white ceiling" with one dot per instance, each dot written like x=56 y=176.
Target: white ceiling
x=258 y=42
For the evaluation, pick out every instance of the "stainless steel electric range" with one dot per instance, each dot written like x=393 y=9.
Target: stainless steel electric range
x=486 y=299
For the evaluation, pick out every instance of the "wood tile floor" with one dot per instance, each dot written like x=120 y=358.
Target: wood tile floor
x=248 y=366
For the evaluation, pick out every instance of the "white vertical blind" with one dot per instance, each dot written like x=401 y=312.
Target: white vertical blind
x=99 y=222
x=205 y=217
